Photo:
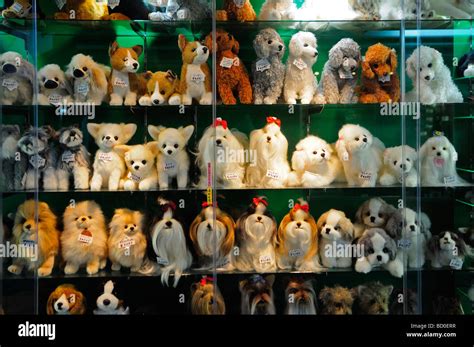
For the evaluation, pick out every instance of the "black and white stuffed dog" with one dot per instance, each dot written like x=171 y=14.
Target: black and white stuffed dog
x=109 y=304
x=446 y=249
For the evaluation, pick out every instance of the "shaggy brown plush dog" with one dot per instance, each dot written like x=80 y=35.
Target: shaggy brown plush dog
x=66 y=300
x=237 y=10
x=87 y=10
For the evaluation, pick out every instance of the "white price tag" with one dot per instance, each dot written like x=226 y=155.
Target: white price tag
x=68 y=157
x=169 y=165
x=162 y=261
x=231 y=176
x=82 y=87
x=265 y=259
x=295 y=252
x=37 y=161
x=273 y=174
x=126 y=242
x=366 y=176
x=85 y=237
x=198 y=77
x=10 y=84
x=134 y=177
x=449 y=180
x=118 y=82
x=114 y=3
x=105 y=156
x=28 y=243
x=300 y=64
x=227 y=63
x=172 y=7
x=404 y=243
x=60 y=3
x=456 y=263
x=55 y=99
x=262 y=65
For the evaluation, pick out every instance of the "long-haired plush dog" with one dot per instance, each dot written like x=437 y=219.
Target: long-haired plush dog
x=88 y=79
x=108 y=165
x=336 y=300
x=109 y=304
x=257 y=295
x=41 y=155
x=16 y=79
x=74 y=160
x=315 y=164
x=340 y=73
x=361 y=155
x=447 y=305
x=335 y=231
x=301 y=297
x=297 y=240
x=172 y=156
x=399 y=165
x=431 y=78
x=438 y=159
x=35 y=232
x=373 y=213
x=446 y=248
x=84 y=239
x=271 y=148
x=9 y=136
x=206 y=298
x=255 y=237
x=268 y=71
x=127 y=240
x=239 y=10
x=380 y=82
x=54 y=88
x=278 y=10
x=181 y=10
x=372 y=298
x=221 y=141
x=66 y=300
x=231 y=74
x=169 y=243
x=212 y=233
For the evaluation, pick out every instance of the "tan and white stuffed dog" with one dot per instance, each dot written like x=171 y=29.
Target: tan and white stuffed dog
x=399 y=166
x=16 y=79
x=161 y=88
x=54 y=88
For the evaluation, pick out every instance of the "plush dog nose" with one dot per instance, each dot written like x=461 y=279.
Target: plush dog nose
x=269 y=138
x=280 y=47
x=205 y=49
x=135 y=65
x=259 y=218
x=372 y=219
x=365 y=139
x=60 y=305
x=132 y=228
x=385 y=74
x=412 y=227
x=107 y=137
x=169 y=224
x=379 y=257
x=218 y=141
x=72 y=133
x=316 y=54
x=427 y=78
x=106 y=302
x=445 y=239
x=9 y=68
x=170 y=151
x=209 y=227
x=353 y=68
x=438 y=154
x=50 y=84
x=83 y=219
x=156 y=102
x=328 y=230
x=28 y=226
x=298 y=224
x=78 y=73
x=323 y=155
x=136 y=167
x=403 y=166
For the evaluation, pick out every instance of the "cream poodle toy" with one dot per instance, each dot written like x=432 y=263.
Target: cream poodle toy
x=431 y=78
x=399 y=164
x=16 y=79
x=278 y=10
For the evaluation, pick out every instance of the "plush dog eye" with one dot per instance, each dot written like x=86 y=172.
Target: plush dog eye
x=132 y=162
x=116 y=138
x=380 y=215
x=85 y=68
x=372 y=302
x=134 y=225
x=225 y=136
x=414 y=11
x=176 y=145
x=144 y=162
x=357 y=139
x=77 y=218
x=444 y=148
x=421 y=69
x=338 y=305
x=305 y=45
x=56 y=79
x=375 y=66
x=408 y=159
x=44 y=79
x=433 y=148
x=385 y=250
x=162 y=92
x=90 y=217
x=395 y=162
x=430 y=65
x=125 y=226
x=164 y=145
x=270 y=42
x=367 y=213
x=370 y=251
x=193 y=50
x=324 y=224
x=315 y=152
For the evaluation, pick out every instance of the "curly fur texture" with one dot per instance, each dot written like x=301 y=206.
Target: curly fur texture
x=66 y=300
x=336 y=300
x=16 y=79
x=399 y=166
x=54 y=88
x=372 y=298
x=239 y=10
x=9 y=136
x=87 y=10
x=278 y=10
x=181 y=10
x=393 y=10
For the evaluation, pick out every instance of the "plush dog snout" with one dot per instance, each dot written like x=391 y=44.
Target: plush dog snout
x=438 y=154
x=106 y=302
x=316 y=54
x=135 y=66
x=205 y=49
x=78 y=73
x=107 y=137
x=28 y=226
x=403 y=166
x=379 y=258
x=132 y=228
x=72 y=133
x=372 y=219
x=323 y=155
x=50 y=84
x=427 y=78
x=269 y=138
x=209 y=226
x=328 y=230
x=83 y=219
x=60 y=305
x=280 y=47
x=298 y=224
x=156 y=102
x=364 y=139
x=445 y=239
x=218 y=141
x=412 y=227
x=9 y=68
x=259 y=218
x=170 y=151
x=169 y=224
x=385 y=74
x=136 y=167
x=353 y=68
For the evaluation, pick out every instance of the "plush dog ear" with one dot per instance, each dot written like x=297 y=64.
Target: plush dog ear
x=367 y=70
x=228 y=242
x=360 y=211
x=394 y=225
x=298 y=160
x=187 y=132
x=335 y=56
x=295 y=47
x=171 y=76
x=386 y=156
x=393 y=59
x=453 y=154
x=423 y=152
x=128 y=131
x=109 y=287
x=425 y=223
x=27 y=70
x=258 y=46
x=114 y=46
x=325 y=295
x=122 y=149
x=93 y=129
x=322 y=219
x=155 y=131
x=365 y=242
x=208 y=43
x=138 y=49
x=182 y=42
x=411 y=65
x=235 y=46
x=280 y=239
x=152 y=147
x=348 y=228
x=193 y=233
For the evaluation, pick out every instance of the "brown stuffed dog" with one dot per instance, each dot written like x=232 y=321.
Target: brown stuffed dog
x=241 y=10
x=231 y=74
x=380 y=81
x=87 y=10
x=66 y=300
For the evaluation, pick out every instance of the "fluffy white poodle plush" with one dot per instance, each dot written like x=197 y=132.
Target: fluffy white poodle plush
x=361 y=155
x=315 y=164
x=431 y=78
x=438 y=162
x=300 y=82
x=278 y=10
x=399 y=163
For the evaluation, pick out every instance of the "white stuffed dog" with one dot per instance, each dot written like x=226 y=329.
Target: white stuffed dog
x=53 y=87
x=415 y=233
x=16 y=79
x=399 y=164
x=278 y=10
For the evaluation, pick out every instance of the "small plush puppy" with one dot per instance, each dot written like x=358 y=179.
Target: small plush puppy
x=271 y=147
x=36 y=145
x=431 y=78
x=35 y=233
x=268 y=70
x=140 y=162
x=161 y=88
x=221 y=140
x=301 y=297
x=66 y=300
x=127 y=240
x=196 y=80
x=446 y=248
x=83 y=10
x=257 y=295
x=336 y=300
x=239 y=10
x=297 y=240
x=399 y=166
x=9 y=136
x=206 y=298
x=84 y=239
x=335 y=231
x=231 y=74
x=361 y=155
x=278 y=10
x=255 y=236
x=380 y=82
x=212 y=233
x=109 y=304
x=438 y=159
x=300 y=82
x=466 y=65
x=124 y=84
x=379 y=250
x=372 y=298
x=340 y=73
x=393 y=10
x=88 y=79
x=181 y=10
x=54 y=88
x=315 y=164
x=74 y=160
x=16 y=79
x=169 y=243
x=108 y=165
x=398 y=299
x=373 y=213
x=172 y=156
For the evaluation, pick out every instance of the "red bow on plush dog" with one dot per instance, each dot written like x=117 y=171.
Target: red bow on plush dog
x=275 y=120
x=301 y=207
x=220 y=122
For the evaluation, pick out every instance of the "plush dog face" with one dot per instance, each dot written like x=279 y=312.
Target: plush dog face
x=268 y=43
x=171 y=141
x=301 y=297
x=355 y=138
x=379 y=248
x=304 y=45
x=400 y=159
x=412 y=224
x=448 y=241
x=257 y=223
x=84 y=215
x=337 y=300
x=317 y=150
x=140 y=159
x=70 y=137
x=66 y=299
x=374 y=213
x=257 y=295
x=345 y=56
x=81 y=67
x=109 y=135
x=125 y=59
x=438 y=151
x=126 y=222
x=34 y=140
x=428 y=61
x=108 y=300
x=410 y=10
x=220 y=138
x=206 y=299
x=161 y=85
x=10 y=63
x=224 y=42
x=380 y=63
x=192 y=52
x=32 y=218
x=9 y=136
x=333 y=225
x=271 y=142
x=51 y=77
x=373 y=298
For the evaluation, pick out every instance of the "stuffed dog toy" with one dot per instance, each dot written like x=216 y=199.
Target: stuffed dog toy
x=191 y=10
x=66 y=300
x=371 y=298
x=206 y=298
x=239 y=10
x=393 y=10
x=257 y=295
x=301 y=297
x=278 y=10
x=379 y=80
x=19 y=9
x=109 y=304
x=399 y=165
x=54 y=88
x=361 y=155
x=87 y=10
x=446 y=249
x=109 y=166
x=231 y=74
x=9 y=136
x=161 y=88
x=35 y=233
x=466 y=65
x=373 y=213
x=336 y=300
x=16 y=80
x=268 y=71
x=195 y=82
x=340 y=73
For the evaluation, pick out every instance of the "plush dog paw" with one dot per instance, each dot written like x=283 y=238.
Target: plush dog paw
x=15 y=269
x=269 y=101
x=129 y=185
x=70 y=269
x=206 y=100
x=130 y=100
x=363 y=266
x=387 y=180
x=144 y=185
x=92 y=268
x=115 y=100
x=395 y=268
x=174 y=100
x=44 y=271
x=144 y=101
x=115 y=267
